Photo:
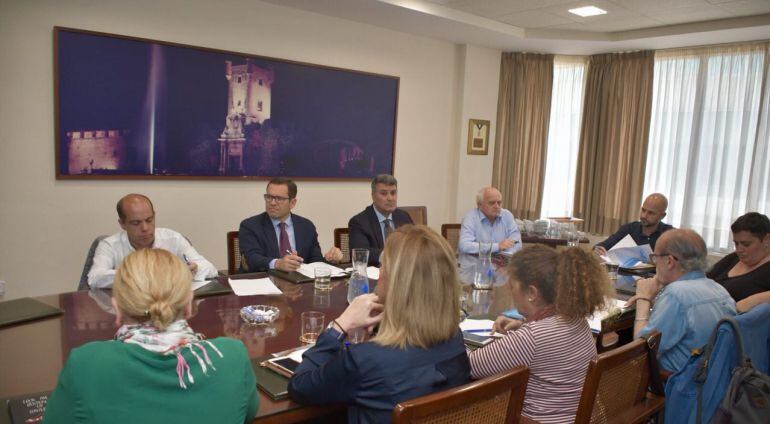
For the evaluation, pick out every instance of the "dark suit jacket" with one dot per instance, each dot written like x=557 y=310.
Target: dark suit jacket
x=371 y=379
x=365 y=231
x=259 y=245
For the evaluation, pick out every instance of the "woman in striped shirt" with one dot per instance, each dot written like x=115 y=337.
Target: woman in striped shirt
x=555 y=291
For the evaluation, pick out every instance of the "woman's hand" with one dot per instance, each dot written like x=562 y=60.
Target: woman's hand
x=364 y=311
x=504 y=324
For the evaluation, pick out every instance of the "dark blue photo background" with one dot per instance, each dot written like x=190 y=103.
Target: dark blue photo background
x=104 y=84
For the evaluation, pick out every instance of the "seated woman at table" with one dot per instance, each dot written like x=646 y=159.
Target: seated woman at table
x=555 y=291
x=746 y=271
x=157 y=370
x=418 y=348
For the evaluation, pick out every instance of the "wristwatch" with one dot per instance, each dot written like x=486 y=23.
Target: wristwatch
x=341 y=334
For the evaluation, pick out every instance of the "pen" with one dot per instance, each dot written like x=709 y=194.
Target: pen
x=479 y=330
x=187 y=261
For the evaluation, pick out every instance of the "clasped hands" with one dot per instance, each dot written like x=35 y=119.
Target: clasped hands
x=646 y=288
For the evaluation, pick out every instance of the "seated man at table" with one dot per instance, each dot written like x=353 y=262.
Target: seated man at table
x=646 y=230
x=277 y=238
x=489 y=223
x=370 y=228
x=136 y=217
x=687 y=305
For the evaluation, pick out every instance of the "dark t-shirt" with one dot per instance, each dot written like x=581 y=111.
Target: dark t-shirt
x=634 y=229
x=742 y=286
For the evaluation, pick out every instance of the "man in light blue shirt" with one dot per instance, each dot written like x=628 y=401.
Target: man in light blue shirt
x=489 y=223
x=679 y=301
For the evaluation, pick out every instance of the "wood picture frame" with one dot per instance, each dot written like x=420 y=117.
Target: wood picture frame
x=478 y=137
x=135 y=108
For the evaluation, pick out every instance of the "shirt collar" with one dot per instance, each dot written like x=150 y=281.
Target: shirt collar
x=381 y=217
x=277 y=221
x=692 y=275
x=483 y=217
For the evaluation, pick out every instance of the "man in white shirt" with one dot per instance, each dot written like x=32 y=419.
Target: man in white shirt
x=136 y=217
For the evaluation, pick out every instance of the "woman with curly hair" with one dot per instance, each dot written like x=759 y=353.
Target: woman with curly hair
x=555 y=291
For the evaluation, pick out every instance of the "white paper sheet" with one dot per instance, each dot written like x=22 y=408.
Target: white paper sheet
x=476 y=324
x=372 y=272
x=297 y=354
x=254 y=287
x=198 y=284
x=626 y=241
x=308 y=270
x=595 y=321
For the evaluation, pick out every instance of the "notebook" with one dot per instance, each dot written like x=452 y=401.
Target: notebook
x=25 y=309
x=273 y=384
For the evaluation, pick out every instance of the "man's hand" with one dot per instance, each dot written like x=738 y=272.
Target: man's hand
x=646 y=288
x=290 y=262
x=599 y=250
x=507 y=244
x=333 y=255
x=504 y=324
x=193 y=267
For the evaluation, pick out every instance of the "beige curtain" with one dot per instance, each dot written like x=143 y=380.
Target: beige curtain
x=523 y=112
x=613 y=140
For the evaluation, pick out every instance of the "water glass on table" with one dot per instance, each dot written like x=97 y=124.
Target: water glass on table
x=323 y=278
x=312 y=325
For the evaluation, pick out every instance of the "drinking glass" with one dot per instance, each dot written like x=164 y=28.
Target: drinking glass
x=312 y=326
x=323 y=278
x=360 y=258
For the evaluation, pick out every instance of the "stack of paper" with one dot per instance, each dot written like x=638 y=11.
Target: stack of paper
x=615 y=306
x=308 y=270
x=627 y=254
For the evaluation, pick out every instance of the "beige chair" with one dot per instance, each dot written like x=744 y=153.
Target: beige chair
x=83 y=284
x=342 y=242
x=419 y=214
x=451 y=233
x=495 y=399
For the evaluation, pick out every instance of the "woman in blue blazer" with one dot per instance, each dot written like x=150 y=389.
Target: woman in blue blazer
x=418 y=349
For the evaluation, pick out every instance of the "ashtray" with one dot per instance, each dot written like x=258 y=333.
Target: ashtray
x=259 y=314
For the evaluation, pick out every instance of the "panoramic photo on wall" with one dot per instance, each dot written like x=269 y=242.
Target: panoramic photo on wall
x=131 y=108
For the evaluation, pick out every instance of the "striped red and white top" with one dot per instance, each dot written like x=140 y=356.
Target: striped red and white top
x=557 y=352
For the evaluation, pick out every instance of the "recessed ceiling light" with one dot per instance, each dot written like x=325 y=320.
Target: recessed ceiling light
x=588 y=11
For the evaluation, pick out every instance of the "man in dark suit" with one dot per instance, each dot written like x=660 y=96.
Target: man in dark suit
x=278 y=239
x=370 y=228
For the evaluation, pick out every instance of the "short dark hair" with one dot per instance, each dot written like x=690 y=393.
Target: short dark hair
x=288 y=183
x=386 y=179
x=119 y=206
x=754 y=222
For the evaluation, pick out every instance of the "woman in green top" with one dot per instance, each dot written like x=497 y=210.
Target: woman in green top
x=157 y=370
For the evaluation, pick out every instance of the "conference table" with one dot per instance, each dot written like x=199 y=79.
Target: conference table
x=33 y=353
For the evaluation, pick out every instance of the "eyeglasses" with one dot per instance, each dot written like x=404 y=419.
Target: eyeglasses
x=277 y=199
x=654 y=257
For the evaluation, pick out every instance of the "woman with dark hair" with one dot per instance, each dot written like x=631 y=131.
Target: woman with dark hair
x=746 y=271
x=555 y=292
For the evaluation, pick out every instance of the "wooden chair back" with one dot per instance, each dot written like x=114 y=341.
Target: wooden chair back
x=419 y=214
x=495 y=399
x=234 y=256
x=451 y=233
x=342 y=242
x=616 y=385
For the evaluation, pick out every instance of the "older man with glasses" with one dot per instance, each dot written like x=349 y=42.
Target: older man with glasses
x=679 y=301
x=278 y=239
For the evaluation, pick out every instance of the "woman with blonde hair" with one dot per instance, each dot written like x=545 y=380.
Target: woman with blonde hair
x=157 y=370
x=555 y=291
x=418 y=348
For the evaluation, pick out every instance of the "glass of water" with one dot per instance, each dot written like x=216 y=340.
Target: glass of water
x=323 y=278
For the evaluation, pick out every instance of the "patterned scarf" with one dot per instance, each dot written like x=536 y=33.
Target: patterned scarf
x=171 y=341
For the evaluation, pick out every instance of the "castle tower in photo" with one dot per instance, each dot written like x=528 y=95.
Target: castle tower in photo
x=248 y=102
x=94 y=150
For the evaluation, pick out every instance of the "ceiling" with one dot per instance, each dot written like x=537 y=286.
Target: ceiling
x=547 y=26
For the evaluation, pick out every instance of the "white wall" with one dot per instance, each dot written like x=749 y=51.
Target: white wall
x=47 y=225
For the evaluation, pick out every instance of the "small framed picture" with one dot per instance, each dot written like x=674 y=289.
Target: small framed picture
x=478 y=137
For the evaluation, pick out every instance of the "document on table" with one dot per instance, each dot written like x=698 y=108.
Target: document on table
x=198 y=284
x=308 y=270
x=627 y=254
x=254 y=287
x=482 y=327
x=614 y=306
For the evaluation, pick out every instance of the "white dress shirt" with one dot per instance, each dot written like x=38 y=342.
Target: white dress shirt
x=111 y=251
